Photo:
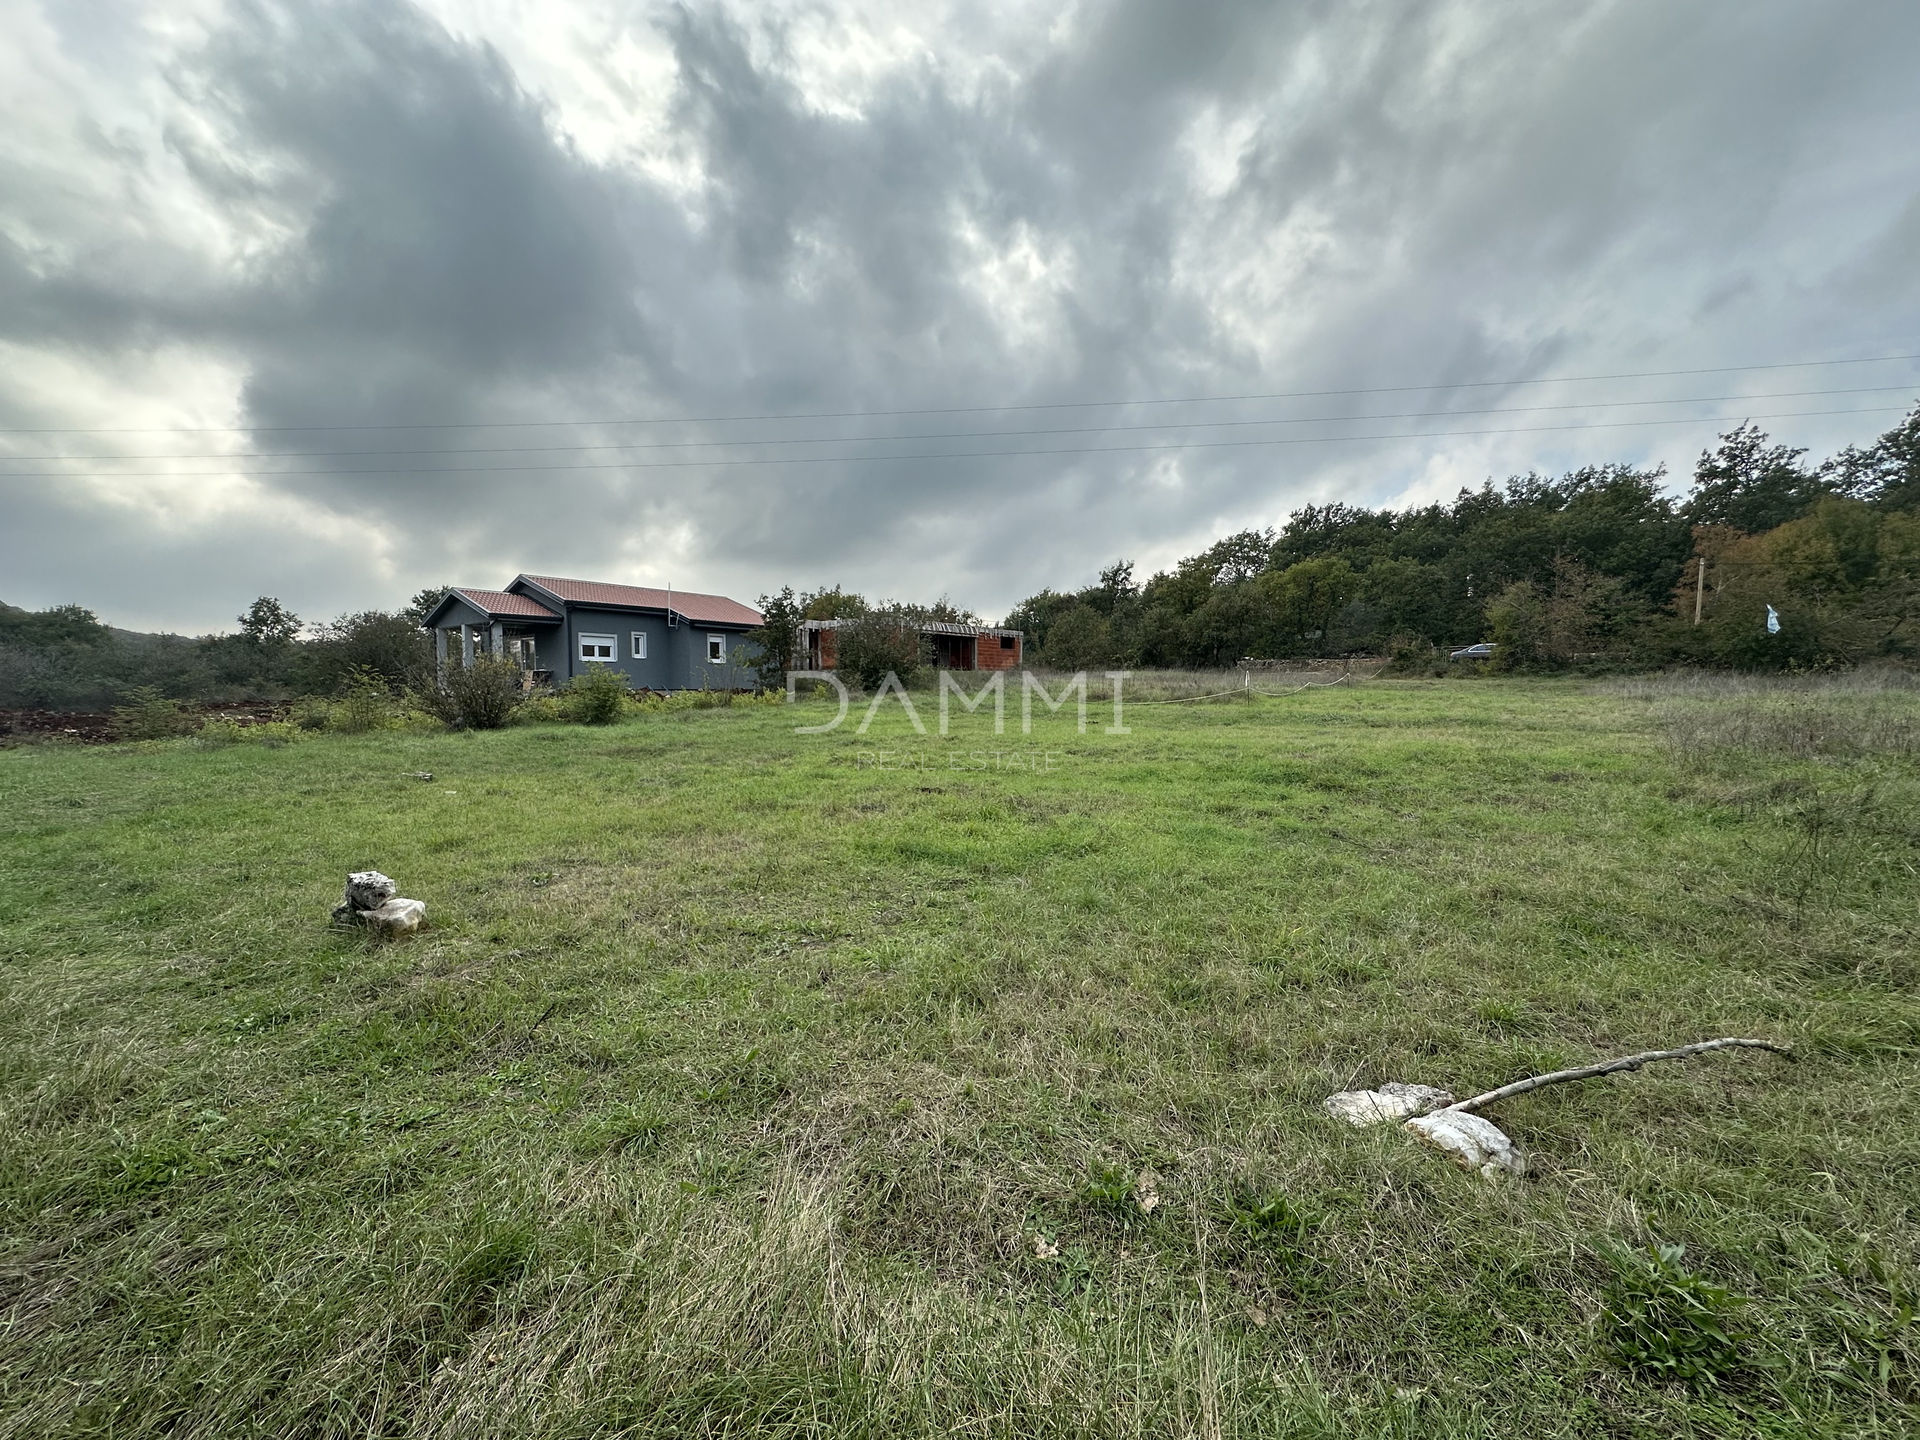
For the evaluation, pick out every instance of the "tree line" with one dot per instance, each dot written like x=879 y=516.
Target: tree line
x=64 y=658
x=1601 y=566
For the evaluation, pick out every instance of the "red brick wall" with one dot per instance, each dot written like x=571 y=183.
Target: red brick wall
x=992 y=657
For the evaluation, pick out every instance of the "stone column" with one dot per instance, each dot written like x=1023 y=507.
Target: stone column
x=440 y=651
x=499 y=640
x=466 y=646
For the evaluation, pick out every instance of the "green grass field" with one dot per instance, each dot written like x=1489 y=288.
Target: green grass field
x=745 y=1085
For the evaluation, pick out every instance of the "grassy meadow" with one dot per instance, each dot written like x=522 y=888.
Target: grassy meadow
x=753 y=1083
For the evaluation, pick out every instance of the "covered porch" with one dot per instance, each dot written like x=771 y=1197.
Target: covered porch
x=470 y=623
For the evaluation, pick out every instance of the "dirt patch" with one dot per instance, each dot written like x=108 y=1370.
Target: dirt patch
x=88 y=727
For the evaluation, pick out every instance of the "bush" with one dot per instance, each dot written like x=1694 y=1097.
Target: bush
x=540 y=710
x=312 y=713
x=596 y=697
x=480 y=696
x=146 y=714
x=867 y=646
x=365 y=704
x=1664 y=1319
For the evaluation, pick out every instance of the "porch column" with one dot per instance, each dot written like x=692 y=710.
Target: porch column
x=466 y=646
x=440 y=651
x=499 y=640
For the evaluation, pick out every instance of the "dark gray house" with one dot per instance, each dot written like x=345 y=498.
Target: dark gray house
x=556 y=629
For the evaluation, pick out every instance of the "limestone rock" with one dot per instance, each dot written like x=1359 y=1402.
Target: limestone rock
x=1394 y=1100
x=369 y=899
x=395 y=916
x=1470 y=1141
x=366 y=890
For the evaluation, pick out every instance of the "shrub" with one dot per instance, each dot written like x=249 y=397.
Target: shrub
x=146 y=714
x=540 y=710
x=867 y=646
x=311 y=714
x=1664 y=1319
x=480 y=696
x=596 y=697
x=365 y=704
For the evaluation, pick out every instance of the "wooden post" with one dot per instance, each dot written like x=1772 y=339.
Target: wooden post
x=1700 y=590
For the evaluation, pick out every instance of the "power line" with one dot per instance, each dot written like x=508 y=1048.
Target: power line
x=978 y=434
x=945 y=410
x=935 y=455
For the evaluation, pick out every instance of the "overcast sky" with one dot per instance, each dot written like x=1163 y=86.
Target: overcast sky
x=463 y=220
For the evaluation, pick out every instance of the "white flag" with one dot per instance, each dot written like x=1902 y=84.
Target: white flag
x=1773 y=621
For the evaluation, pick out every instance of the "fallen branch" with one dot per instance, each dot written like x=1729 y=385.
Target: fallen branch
x=1589 y=1072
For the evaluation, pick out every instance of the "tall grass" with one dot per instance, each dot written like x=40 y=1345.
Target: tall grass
x=1847 y=716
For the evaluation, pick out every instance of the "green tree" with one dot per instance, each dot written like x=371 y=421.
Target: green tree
x=777 y=638
x=1751 y=485
x=60 y=625
x=268 y=622
x=346 y=650
x=423 y=603
x=1035 y=616
x=1577 y=614
x=1887 y=472
x=1079 y=639
x=1305 y=598
x=834 y=604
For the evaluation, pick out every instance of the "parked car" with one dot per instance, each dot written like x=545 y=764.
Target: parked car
x=1482 y=651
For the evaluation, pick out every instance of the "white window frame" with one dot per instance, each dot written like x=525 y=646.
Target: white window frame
x=611 y=642
x=716 y=643
x=637 y=645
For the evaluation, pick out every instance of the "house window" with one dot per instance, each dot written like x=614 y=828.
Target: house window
x=1006 y=642
x=717 y=649
x=599 y=647
x=637 y=646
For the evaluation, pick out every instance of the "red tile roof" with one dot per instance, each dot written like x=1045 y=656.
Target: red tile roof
x=499 y=602
x=701 y=609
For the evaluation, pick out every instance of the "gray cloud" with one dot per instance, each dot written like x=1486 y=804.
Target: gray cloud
x=350 y=215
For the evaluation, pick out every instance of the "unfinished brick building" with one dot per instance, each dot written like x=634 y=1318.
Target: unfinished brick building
x=954 y=647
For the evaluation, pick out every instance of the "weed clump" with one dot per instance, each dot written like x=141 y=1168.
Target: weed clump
x=1666 y=1321
x=629 y=1129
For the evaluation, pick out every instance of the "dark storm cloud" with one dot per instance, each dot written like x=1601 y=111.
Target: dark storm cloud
x=1163 y=200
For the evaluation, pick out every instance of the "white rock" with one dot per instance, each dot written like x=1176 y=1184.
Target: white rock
x=1394 y=1100
x=1471 y=1142
x=395 y=916
x=366 y=890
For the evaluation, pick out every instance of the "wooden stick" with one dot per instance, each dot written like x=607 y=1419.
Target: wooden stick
x=1588 y=1072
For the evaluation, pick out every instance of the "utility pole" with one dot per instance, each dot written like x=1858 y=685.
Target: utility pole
x=1700 y=590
